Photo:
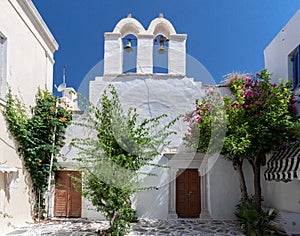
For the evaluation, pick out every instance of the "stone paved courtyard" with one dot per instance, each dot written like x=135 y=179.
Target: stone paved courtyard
x=179 y=227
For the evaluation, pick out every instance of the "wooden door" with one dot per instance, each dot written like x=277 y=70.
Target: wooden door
x=188 y=200
x=67 y=199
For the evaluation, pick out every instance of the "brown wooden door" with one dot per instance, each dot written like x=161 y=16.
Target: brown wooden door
x=188 y=194
x=67 y=200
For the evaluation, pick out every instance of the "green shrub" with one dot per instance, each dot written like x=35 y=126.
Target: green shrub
x=253 y=222
x=111 y=163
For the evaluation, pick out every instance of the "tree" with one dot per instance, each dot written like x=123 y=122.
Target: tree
x=260 y=118
x=112 y=161
x=39 y=135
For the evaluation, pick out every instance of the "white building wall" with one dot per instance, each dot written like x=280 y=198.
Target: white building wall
x=223 y=189
x=153 y=95
x=277 y=52
x=145 y=54
x=30 y=48
x=113 y=55
x=177 y=54
x=284 y=197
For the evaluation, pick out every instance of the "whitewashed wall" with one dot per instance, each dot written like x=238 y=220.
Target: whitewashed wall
x=277 y=52
x=152 y=96
x=284 y=196
x=30 y=48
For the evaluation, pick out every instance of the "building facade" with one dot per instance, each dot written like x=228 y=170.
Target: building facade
x=195 y=185
x=282 y=189
x=26 y=63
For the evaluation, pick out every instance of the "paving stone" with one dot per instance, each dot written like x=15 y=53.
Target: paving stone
x=179 y=227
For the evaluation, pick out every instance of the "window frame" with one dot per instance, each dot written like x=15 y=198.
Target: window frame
x=295 y=68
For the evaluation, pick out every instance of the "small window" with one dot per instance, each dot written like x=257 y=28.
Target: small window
x=295 y=58
x=3 y=66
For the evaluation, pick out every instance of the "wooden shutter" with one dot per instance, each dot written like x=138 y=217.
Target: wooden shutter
x=67 y=200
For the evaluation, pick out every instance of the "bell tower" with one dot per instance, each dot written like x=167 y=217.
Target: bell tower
x=115 y=42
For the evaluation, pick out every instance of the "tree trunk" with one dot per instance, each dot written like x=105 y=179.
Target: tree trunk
x=256 y=164
x=112 y=220
x=238 y=166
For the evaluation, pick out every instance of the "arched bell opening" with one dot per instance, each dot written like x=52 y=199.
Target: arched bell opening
x=160 y=54
x=129 y=53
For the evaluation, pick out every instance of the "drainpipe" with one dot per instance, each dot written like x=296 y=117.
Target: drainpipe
x=48 y=192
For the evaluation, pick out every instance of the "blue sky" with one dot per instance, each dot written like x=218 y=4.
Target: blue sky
x=224 y=35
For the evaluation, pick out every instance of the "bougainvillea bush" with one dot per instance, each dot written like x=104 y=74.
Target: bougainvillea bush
x=260 y=117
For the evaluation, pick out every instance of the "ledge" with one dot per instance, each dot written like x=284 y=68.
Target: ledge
x=112 y=35
x=160 y=75
x=2 y=102
x=8 y=169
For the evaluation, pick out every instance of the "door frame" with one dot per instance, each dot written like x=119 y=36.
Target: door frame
x=178 y=162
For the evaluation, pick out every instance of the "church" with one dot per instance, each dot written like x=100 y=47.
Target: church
x=148 y=69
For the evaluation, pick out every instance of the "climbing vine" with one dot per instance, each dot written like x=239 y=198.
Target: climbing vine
x=39 y=134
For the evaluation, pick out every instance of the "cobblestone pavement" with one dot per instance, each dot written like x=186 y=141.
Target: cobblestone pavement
x=179 y=227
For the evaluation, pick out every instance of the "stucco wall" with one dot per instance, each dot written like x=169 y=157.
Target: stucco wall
x=153 y=204
x=277 y=52
x=224 y=188
x=14 y=200
x=153 y=95
x=29 y=65
x=285 y=198
x=29 y=58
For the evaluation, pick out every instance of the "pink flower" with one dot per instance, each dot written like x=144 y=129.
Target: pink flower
x=293 y=100
x=186 y=118
x=258 y=103
x=247 y=107
x=198 y=120
x=248 y=79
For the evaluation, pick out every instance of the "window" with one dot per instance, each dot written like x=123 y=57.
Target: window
x=3 y=66
x=295 y=58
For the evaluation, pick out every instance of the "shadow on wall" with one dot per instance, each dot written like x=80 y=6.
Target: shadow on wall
x=224 y=190
x=153 y=204
x=9 y=180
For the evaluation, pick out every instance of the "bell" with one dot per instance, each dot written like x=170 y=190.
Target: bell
x=161 y=49
x=128 y=46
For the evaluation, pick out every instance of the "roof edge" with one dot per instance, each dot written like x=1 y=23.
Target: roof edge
x=39 y=24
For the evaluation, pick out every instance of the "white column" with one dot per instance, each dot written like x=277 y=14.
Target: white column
x=113 y=54
x=144 y=62
x=205 y=214
x=172 y=193
x=177 y=54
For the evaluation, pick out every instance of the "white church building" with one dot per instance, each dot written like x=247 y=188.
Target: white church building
x=156 y=82
x=195 y=186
